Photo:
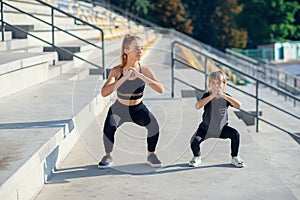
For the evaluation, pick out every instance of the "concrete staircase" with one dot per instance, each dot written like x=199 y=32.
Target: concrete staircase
x=46 y=103
x=48 y=98
x=272 y=171
x=52 y=116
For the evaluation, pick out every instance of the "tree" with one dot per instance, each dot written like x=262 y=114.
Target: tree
x=137 y=7
x=267 y=21
x=214 y=22
x=200 y=11
x=224 y=20
x=171 y=14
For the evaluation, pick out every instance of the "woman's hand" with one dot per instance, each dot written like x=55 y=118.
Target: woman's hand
x=129 y=73
x=135 y=73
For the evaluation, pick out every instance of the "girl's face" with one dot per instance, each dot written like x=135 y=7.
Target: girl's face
x=135 y=50
x=217 y=85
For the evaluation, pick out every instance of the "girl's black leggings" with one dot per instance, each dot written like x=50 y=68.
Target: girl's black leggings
x=227 y=132
x=139 y=114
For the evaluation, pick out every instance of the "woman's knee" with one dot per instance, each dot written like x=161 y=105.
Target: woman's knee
x=151 y=124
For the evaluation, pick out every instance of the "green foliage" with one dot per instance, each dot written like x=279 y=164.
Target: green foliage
x=138 y=7
x=214 y=22
x=223 y=23
x=269 y=21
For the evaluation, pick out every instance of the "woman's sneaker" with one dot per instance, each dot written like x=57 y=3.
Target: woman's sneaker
x=237 y=161
x=105 y=162
x=195 y=162
x=153 y=160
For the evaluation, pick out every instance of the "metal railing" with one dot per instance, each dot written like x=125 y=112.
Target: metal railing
x=53 y=28
x=270 y=73
x=258 y=68
x=256 y=80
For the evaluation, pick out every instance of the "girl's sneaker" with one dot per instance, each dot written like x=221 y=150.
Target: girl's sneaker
x=195 y=162
x=238 y=162
x=105 y=162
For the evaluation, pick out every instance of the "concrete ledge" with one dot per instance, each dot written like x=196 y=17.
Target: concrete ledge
x=51 y=141
x=29 y=49
x=11 y=61
x=59 y=68
x=14 y=44
x=17 y=33
x=74 y=47
x=22 y=70
x=7 y=35
x=61 y=37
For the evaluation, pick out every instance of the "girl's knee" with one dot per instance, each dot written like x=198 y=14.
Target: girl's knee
x=235 y=135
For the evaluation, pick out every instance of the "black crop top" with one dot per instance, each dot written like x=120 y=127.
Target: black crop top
x=131 y=89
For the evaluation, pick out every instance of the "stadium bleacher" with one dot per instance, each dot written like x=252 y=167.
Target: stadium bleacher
x=49 y=98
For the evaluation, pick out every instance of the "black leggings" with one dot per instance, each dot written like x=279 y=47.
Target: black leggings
x=227 y=132
x=139 y=114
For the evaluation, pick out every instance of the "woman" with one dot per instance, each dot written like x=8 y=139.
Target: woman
x=129 y=80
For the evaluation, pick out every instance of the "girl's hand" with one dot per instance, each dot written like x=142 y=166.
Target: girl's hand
x=221 y=94
x=218 y=93
x=213 y=94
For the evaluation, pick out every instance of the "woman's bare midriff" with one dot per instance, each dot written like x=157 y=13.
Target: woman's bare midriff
x=130 y=102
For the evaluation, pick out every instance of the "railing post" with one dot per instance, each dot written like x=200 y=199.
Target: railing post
x=2 y=21
x=256 y=106
x=52 y=30
x=295 y=91
x=206 y=70
x=103 y=56
x=172 y=69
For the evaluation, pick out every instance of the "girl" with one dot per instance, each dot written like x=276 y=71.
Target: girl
x=129 y=79
x=215 y=119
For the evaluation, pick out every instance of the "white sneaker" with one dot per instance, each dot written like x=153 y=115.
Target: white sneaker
x=238 y=162
x=153 y=160
x=105 y=162
x=195 y=162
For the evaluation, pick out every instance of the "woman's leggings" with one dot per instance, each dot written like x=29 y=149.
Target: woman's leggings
x=139 y=114
x=227 y=132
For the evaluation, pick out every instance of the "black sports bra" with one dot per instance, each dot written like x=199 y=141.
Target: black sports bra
x=131 y=89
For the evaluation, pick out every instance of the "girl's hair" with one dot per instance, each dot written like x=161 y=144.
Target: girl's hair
x=128 y=38
x=219 y=76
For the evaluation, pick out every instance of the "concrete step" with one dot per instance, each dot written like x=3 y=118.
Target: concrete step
x=76 y=47
x=60 y=68
x=14 y=44
x=19 y=18
x=29 y=49
x=39 y=126
x=22 y=70
x=7 y=35
x=29 y=6
x=61 y=37
x=19 y=34
x=77 y=74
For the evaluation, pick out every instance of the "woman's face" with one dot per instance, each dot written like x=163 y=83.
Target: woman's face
x=135 y=50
